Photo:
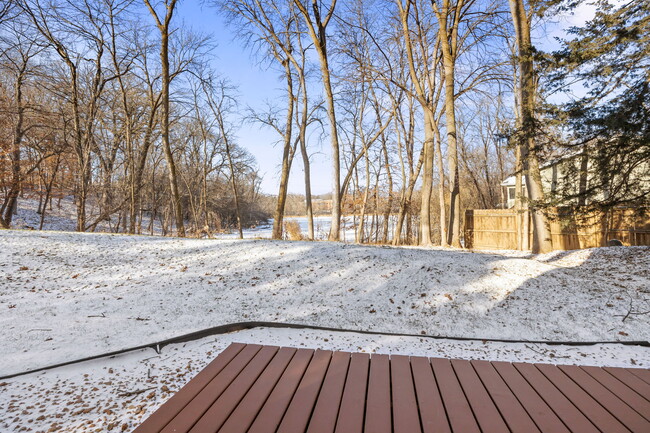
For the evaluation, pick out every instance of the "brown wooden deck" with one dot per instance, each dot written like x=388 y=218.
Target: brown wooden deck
x=269 y=389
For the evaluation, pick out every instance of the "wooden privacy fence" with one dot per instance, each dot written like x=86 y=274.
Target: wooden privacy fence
x=570 y=230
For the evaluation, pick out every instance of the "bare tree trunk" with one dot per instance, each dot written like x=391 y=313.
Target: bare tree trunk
x=234 y=191
x=317 y=31
x=541 y=235
x=441 y=189
x=427 y=183
x=523 y=237
x=389 y=204
x=287 y=158
x=364 y=204
x=10 y=205
x=306 y=167
x=405 y=205
x=163 y=27
x=448 y=38
x=48 y=190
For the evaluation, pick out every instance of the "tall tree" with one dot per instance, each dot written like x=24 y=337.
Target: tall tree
x=18 y=61
x=76 y=32
x=610 y=124
x=527 y=127
x=449 y=14
x=317 y=21
x=164 y=28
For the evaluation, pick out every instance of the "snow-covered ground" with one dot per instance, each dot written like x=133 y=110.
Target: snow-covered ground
x=65 y=296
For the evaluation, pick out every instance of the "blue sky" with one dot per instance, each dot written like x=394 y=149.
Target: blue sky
x=257 y=85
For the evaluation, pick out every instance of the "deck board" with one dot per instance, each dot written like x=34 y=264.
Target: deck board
x=187 y=417
x=244 y=415
x=323 y=419
x=582 y=400
x=510 y=408
x=486 y=413
x=622 y=391
x=405 y=408
x=458 y=409
x=276 y=405
x=607 y=399
x=378 y=408
x=432 y=411
x=353 y=403
x=263 y=389
x=300 y=409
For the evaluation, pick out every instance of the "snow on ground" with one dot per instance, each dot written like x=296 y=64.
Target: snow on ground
x=68 y=295
x=117 y=394
x=65 y=296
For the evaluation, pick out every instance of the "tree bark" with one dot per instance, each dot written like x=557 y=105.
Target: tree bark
x=541 y=235
x=287 y=158
x=427 y=183
x=448 y=39
x=163 y=27
x=11 y=204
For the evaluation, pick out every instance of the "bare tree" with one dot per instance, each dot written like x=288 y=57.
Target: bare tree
x=526 y=135
x=317 y=21
x=163 y=24
x=222 y=103
x=17 y=60
x=75 y=31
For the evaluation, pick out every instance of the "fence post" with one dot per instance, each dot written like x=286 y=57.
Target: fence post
x=469 y=228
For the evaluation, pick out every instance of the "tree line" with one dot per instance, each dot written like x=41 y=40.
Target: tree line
x=426 y=105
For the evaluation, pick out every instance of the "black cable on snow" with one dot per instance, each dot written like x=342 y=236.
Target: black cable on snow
x=240 y=326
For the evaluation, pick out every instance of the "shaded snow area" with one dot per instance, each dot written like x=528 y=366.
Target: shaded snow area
x=65 y=296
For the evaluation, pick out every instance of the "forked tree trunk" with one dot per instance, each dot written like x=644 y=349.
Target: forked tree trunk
x=163 y=27
x=317 y=31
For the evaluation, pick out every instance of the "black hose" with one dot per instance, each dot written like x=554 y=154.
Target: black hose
x=233 y=327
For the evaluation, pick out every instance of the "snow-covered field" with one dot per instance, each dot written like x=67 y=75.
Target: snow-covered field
x=65 y=296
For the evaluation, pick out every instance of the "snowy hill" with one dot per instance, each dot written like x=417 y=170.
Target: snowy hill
x=93 y=291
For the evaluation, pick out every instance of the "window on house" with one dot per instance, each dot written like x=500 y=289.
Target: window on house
x=511 y=193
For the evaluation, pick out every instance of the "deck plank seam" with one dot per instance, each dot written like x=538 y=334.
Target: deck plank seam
x=257 y=380
x=437 y=391
x=537 y=393
x=565 y=396
x=625 y=400
x=518 y=398
x=637 y=373
x=460 y=384
x=224 y=388
x=577 y=404
x=259 y=410
x=320 y=389
x=618 y=416
x=494 y=402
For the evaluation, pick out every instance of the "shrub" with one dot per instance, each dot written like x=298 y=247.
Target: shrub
x=292 y=230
